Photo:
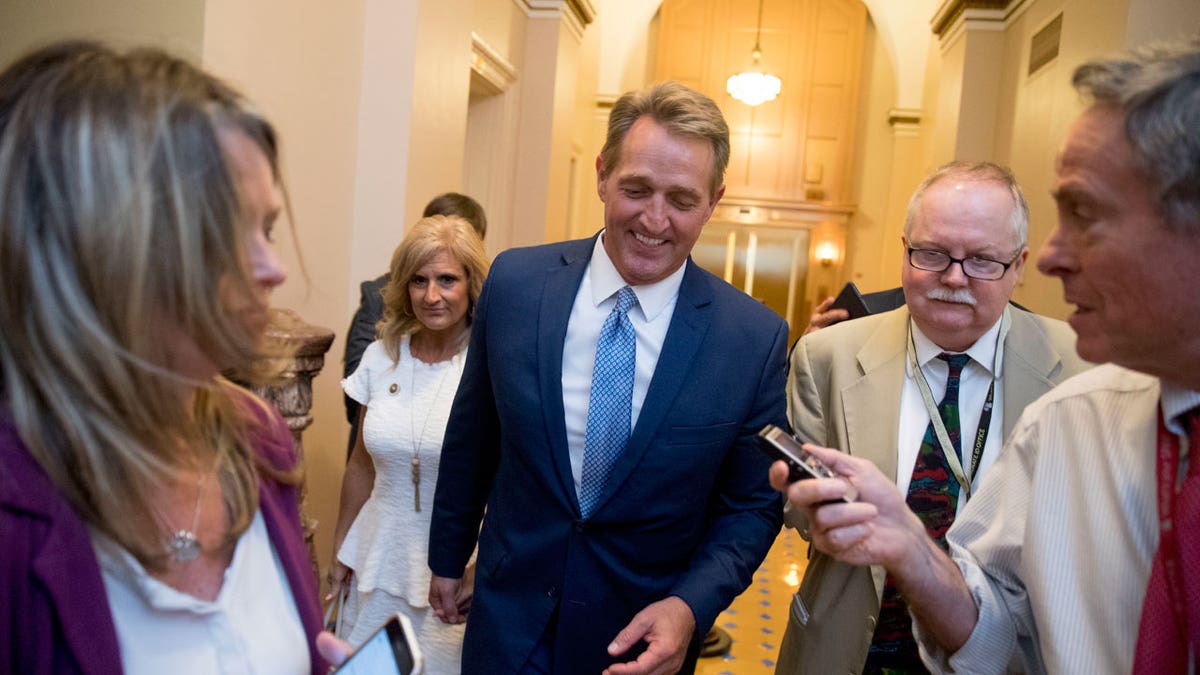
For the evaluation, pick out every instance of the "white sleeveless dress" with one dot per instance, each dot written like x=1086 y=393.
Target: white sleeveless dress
x=387 y=546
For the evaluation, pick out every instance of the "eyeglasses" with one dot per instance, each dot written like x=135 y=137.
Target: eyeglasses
x=984 y=269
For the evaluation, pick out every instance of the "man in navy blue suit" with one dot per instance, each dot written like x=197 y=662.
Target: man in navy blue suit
x=631 y=583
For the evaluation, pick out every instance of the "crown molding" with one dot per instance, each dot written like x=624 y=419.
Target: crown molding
x=576 y=14
x=495 y=72
x=955 y=17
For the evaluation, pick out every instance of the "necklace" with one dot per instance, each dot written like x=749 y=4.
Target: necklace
x=412 y=418
x=183 y=545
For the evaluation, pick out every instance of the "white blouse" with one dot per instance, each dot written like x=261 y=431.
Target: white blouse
x=252 y=626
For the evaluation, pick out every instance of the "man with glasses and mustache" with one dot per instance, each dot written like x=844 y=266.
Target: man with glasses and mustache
x=928 y=392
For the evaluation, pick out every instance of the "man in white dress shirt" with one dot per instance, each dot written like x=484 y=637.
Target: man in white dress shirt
x=1081 y=553
x=619 y=521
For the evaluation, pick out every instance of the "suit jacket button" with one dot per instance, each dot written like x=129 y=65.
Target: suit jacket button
x=580 y=525
x=553 y=592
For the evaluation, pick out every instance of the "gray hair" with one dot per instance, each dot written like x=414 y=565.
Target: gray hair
x=1158 y=89
x=978 y=172
x=682 y=111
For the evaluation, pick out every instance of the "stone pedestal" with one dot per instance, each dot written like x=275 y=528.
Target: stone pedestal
x=292 y=394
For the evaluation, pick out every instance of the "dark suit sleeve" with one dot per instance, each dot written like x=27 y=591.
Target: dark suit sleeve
x=360 y=335
x=470 y=455
x=745 y=512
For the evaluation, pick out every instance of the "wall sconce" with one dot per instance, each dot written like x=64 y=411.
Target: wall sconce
x=826 y=253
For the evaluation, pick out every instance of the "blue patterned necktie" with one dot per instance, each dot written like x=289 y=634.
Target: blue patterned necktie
x=933 y=496
x=610 y=406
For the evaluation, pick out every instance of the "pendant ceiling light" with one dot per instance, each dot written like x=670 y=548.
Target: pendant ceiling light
x=754 y=87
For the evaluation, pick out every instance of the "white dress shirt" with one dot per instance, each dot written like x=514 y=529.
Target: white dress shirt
x=593 y=303
x=252 y=626
x=1056 y=547
x=986 y=365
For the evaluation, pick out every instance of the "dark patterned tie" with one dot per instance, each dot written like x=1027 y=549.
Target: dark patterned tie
x=933 y=496
x=610 y=405
x=1171 y=613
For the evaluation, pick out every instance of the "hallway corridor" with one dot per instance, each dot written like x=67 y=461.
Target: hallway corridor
x=757 y=618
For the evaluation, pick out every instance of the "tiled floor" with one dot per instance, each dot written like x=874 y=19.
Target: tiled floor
x=757 y=618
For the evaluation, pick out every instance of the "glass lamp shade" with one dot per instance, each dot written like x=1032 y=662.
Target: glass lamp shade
x=753 y=88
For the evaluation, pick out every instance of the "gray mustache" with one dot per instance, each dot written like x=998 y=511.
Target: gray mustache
x=961 y=295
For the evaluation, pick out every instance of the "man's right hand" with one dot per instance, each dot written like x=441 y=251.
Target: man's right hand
x=879 y=529
x=444 y=596
x=876 y=529
x=823 y=317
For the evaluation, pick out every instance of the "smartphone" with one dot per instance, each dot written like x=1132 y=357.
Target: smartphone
x=801 y=463
x=391 y=650
x=851 y=300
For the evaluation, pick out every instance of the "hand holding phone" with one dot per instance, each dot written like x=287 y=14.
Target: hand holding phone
x=801 y=463
x=851 y=300
x=391 y=650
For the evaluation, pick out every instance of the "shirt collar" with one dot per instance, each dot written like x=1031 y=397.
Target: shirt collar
x=1175 y=401
x=982 y=352
x=606 y=281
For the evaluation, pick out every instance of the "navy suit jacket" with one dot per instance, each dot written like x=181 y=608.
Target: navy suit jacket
x=687 y=509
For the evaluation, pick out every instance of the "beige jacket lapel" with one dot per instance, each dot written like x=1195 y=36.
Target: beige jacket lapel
x=1029 y=361
x=869 y=404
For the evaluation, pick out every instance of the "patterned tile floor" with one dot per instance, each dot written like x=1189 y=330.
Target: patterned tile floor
x=757 y=618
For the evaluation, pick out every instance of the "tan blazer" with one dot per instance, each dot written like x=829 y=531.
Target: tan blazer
x=844 y=392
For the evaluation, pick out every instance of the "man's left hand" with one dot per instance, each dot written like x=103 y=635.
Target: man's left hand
x=667 y=628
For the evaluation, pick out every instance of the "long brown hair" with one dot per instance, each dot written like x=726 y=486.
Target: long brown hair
x=119 y=227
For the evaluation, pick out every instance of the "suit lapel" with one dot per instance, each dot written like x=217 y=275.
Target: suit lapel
x=871 y=404
x=689 y=324
x=558 y=296
x=1029 y=360
x=872 y=415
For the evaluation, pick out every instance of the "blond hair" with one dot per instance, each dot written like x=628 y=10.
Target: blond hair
x=119 y=233
x=422 y=243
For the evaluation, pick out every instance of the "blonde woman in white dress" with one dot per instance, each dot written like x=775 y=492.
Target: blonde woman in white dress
x=406 y=384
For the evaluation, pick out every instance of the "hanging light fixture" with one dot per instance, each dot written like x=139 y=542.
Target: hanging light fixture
x=754 y=87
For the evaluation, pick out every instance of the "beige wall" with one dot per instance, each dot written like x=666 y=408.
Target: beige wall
x=385 y=118
x=305 y=74
x=869 y=228
x=584 y=210
x=176 y=25
x=441 y=87
x=1037 y=110
x=893 y=158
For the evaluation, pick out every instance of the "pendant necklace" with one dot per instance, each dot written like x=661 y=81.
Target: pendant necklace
x=412 y=417
x=184 y=545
